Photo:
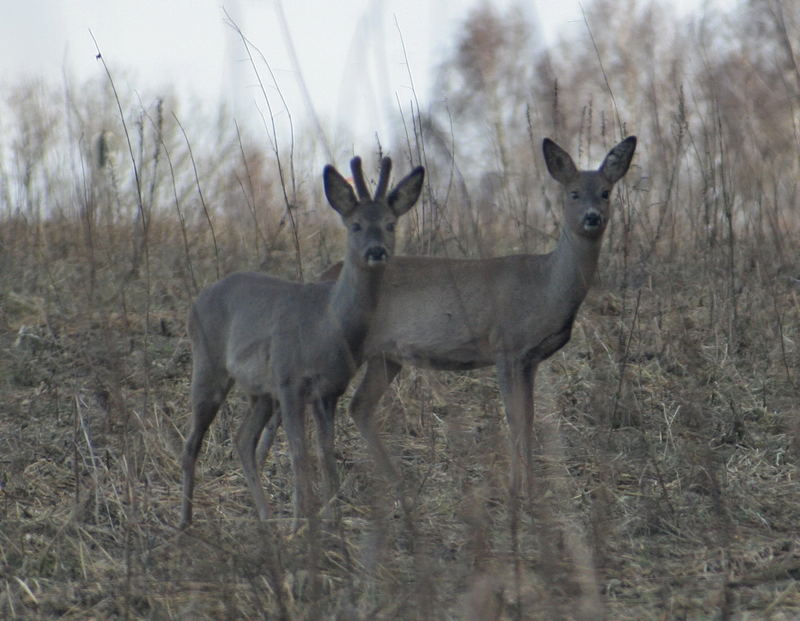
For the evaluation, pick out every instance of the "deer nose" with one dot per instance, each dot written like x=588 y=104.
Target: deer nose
x=376 y=254
x=592 y=220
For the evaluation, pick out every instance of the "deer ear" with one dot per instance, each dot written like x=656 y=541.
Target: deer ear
x=338 y=192
x=406 y=192
x=618 y=160
x=559 y=163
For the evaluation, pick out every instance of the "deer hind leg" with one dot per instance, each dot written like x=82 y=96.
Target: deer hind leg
x=268 y=437
x=208 y=393
x=246 y=440
x=515 y=380
x=379 y=374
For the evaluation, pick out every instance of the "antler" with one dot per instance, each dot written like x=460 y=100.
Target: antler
x=361 y=184
x=383 y=178
x=358 y=179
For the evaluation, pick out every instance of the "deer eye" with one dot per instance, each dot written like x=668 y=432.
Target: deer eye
x=605 y=195
x=574 y=195
x=390 y=227
x=355 y=227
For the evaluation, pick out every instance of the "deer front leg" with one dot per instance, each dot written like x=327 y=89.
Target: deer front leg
x=379 y=374
x=293 y=410
x=324 y=412
x=515 y=380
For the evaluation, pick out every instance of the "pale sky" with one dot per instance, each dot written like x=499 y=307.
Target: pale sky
x=349 y=52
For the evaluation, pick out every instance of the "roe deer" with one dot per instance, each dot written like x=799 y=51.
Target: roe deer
x=512 y=312
x=287 y=344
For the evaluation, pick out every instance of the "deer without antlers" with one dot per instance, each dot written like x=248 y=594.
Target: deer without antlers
x=512 y=312
x=288 y=344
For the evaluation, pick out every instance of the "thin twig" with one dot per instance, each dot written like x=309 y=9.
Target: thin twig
x=200 y=193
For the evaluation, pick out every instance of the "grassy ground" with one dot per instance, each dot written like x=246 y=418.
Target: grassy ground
x=667 y=430
x=667 y=444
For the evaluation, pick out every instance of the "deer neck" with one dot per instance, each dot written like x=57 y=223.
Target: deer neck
x=574 y=263
x=353 y=300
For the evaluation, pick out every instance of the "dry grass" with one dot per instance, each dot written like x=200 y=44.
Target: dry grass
x=668 y=429
x=679 y=482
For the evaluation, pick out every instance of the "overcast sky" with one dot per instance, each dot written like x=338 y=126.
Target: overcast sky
x=350 y=52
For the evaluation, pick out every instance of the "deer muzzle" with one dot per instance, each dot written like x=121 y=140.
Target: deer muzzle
x=592 y=220
x=376 y=255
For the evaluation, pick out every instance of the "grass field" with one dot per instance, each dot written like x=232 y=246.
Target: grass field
x=667 y=430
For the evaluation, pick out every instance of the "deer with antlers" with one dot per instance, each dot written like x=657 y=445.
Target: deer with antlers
x=289 y=344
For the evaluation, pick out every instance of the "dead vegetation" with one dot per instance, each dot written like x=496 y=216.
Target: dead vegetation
x=668 y=429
